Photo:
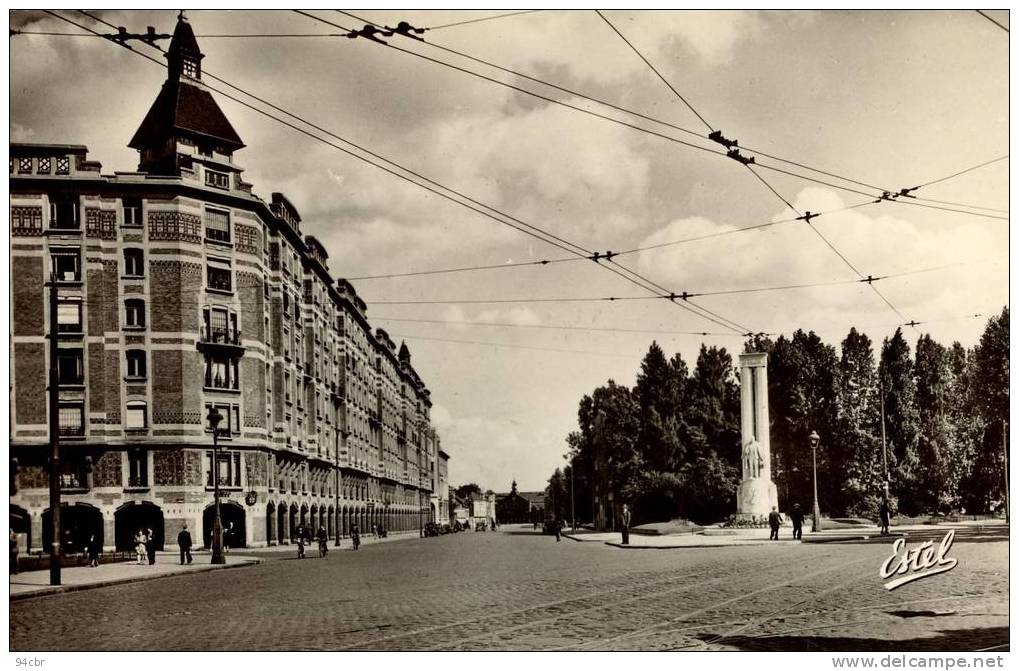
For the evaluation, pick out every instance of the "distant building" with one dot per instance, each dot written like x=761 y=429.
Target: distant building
x=519 y=507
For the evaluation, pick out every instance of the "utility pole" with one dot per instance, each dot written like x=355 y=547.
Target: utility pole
x=884 y=446
x=54 y=422
x=1004 y=451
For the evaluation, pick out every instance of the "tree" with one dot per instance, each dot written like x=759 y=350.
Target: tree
x=802 y=374
x=465 y=491
x=856 y=450
x=557 y=497
x=901 y=420
x=990 y=398
x=938 y=469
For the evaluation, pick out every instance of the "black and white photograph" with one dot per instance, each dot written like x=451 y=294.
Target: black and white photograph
x=511 y=330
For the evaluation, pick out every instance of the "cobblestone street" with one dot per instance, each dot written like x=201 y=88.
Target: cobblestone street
x=518 y=590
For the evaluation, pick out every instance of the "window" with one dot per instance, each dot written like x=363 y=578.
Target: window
x=134 y=313
x=229 y=470
x=70 y=366
x=134 y=263
x=132 y=212
x=286 y=304
x=24 y=165
x=217 y=224
x=219 y=276
x=220 y=325
x=136 y=363
x=63 y=165
x=265 y=288
x=64 y=211
x=190 y=67
x=137 y=468
x=220 y=180
x=69 y=315
x=230 y=425
x=286 y=386
x=65 y=263
x=45 y=165
x=71 y=419
x=137 y=415
x=221 y=373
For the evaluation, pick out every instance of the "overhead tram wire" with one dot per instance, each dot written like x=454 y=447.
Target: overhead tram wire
x=599 y=101
x=748 y=148
x=530 y=230
x=988 y=17
x=602 y=102
x=560 y=327
x=484 y=18
x=806 y=217
x=485 y=343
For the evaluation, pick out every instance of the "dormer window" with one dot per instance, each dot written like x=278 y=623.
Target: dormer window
x=190 y=67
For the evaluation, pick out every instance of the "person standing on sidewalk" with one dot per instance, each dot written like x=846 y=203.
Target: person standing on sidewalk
x=884 y=513
x=558 y=529
x=150 y=546
x=184 y=543
x=797 y=517
x=774 y=520
x=355 y=536
x=14 y=551
x=94 y=549
x=139 y=546
x=625 y=518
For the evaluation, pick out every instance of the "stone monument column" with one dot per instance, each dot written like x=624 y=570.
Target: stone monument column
x=757 y=493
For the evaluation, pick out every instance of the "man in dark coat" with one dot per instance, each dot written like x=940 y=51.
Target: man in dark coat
x=884 y=512
x=774 y=520
x=558 y=529
x=184 y=542
x=150 y=546
x=625 y=519
x=797 y=517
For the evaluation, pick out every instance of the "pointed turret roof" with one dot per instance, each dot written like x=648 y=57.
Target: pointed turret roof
x=184 y=108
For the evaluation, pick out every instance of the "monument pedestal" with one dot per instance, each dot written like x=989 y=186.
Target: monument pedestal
x=756 y=497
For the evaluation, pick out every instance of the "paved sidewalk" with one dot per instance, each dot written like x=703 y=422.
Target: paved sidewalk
x=74 y=578
x=716 y=537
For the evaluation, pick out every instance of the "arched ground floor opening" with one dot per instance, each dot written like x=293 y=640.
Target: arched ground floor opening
x=132 y=517
x=233 y=519
x=78 y=522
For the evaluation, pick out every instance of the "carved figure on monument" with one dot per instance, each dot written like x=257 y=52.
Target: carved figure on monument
x=753 y=462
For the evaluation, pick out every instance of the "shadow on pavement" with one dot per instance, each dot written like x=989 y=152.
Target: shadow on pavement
x=961 y=640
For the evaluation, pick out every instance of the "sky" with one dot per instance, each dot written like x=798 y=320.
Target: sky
x=888 y=98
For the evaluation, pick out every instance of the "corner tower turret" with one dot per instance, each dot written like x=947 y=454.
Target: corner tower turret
x=185 y=125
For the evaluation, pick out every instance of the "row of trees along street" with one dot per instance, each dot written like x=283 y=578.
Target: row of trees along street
x=670 y=446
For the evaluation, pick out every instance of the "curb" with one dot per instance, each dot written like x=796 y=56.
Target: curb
x=62 y=589
x=619 y=545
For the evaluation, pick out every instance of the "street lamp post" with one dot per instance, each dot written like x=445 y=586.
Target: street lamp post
x=217 y=524
x=816 y=522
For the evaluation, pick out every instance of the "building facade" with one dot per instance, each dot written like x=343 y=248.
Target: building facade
x=180 y=291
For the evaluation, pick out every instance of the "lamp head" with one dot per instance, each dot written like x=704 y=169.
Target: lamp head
x=214 y=417
x=814 y=439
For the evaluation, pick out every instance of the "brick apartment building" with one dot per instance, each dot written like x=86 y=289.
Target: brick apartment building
x=178 y=291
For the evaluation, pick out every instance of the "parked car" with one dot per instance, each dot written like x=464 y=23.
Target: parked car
x=431 y=529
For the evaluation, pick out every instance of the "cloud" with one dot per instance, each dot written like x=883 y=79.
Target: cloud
x=882 y=240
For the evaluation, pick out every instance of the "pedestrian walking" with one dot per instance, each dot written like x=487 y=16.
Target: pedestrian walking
x=323 y=541
x=355 y=537
x=558 y=530
x=184 y=543
x=14 y=551
x=884 y=512
x=797 y=517
x=774 y=520
x=139 y=546
x=625 y=518
x=150 y=546
x=94 y=549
